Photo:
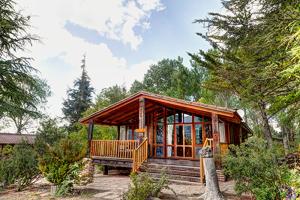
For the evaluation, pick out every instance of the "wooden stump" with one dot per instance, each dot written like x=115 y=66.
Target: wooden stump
x=212 y=189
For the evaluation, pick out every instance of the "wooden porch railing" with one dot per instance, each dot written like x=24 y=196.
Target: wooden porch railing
x=140 y=154
x=122 y=149
x=207 y=143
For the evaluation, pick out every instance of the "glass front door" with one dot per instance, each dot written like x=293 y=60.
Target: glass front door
x=184 y=141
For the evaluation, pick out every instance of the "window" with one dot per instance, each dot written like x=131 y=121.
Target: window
x=198 y=133
x=188 y=134
x=187 y=118
x=129 y=133
x=170 y=134
x=222 y=132
x=122 y=132
x=198 y=119
x=159 y=133
x=178 y=117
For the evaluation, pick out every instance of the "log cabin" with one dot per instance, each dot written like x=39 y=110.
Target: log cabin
x=156 y=132
x=14 y=139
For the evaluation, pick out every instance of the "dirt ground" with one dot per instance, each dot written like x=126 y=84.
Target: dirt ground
x=112 y=187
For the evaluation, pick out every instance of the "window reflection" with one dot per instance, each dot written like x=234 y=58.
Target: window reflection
x=159 y=134
x=179 y=134
x=198 y=133
x=188 y=134
x=187 y=118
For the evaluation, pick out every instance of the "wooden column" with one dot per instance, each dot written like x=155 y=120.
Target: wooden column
x=141 y=113
x=216 y=134
x=90 y=137
x=142 y=117
x=118 y=136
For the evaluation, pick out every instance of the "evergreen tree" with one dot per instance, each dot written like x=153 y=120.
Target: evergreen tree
x=79 y=98
x=21 y=91
x=251 y=58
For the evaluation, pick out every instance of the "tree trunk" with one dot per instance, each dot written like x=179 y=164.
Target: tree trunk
x=212 y=189
x=285 y=140
x=266 y=125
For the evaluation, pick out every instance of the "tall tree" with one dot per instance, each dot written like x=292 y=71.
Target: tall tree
x=251 y=57
x=79 y=97
x=20 y=88
x=170 y=77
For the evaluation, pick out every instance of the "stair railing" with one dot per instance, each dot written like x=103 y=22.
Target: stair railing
x=207 y=143
x=140 y=155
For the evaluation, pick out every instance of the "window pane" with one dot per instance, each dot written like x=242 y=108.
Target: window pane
x=159 y=134
x=208 y=130
x=187 y=118
x=170 y=134
x=170 y=116
x=135 y=135
x=188 y=151
x=197 y=152
x=188 y=134
x=179 y=134
x=178 y=117
x=222 y=132
x=159 y=151
x=180 y=151
x=129 y=134
x=207 y=119
x=170 y=151
x=122 y=132
x=198 y=132
x=198 y=119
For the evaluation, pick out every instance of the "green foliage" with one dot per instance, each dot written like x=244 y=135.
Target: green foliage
x=21 y=91
x=48 y=134
x=255 y=169
x=19 y=166
x=170 y=77
x=6 y=151
x=62 y=162
x=143 y=187
x=250 y=58
x=79 y=98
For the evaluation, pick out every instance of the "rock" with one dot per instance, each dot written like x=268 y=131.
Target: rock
x=87 y=174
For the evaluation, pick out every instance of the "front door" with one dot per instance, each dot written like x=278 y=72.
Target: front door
x=183 y=142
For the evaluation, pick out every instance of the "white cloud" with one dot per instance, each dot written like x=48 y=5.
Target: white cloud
x=114 y=19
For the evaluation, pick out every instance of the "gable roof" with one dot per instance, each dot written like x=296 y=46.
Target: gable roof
x=132 y=101
x=12 y=138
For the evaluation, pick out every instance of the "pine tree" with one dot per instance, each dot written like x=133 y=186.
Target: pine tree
x=79 y=97
x=21 y=90
x=251 y=57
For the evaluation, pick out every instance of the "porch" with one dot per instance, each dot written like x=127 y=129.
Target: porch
x=152 y=126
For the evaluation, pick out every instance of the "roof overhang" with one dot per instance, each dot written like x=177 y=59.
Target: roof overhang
x=128 y=108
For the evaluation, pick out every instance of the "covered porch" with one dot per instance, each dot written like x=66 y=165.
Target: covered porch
x=160 y=127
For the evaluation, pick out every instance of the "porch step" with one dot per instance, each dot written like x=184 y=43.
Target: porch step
x=176 y=170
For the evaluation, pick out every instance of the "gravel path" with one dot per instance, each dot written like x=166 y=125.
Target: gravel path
x=112 y=187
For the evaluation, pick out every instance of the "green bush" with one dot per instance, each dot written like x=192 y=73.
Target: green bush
x=255 y=169
x=19 y=166
x=62 y=163
x=143 y=186
x=47 y=135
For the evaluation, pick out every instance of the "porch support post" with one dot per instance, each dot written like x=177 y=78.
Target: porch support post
x=90 y=136
x=141 y=129
x=118 y=136
x=216 y=137
x=141 y=113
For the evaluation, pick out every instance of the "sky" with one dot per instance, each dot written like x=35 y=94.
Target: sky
x=120 y=38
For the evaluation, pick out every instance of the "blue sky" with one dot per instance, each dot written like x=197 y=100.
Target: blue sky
x=121 y=39
x=172 y=32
